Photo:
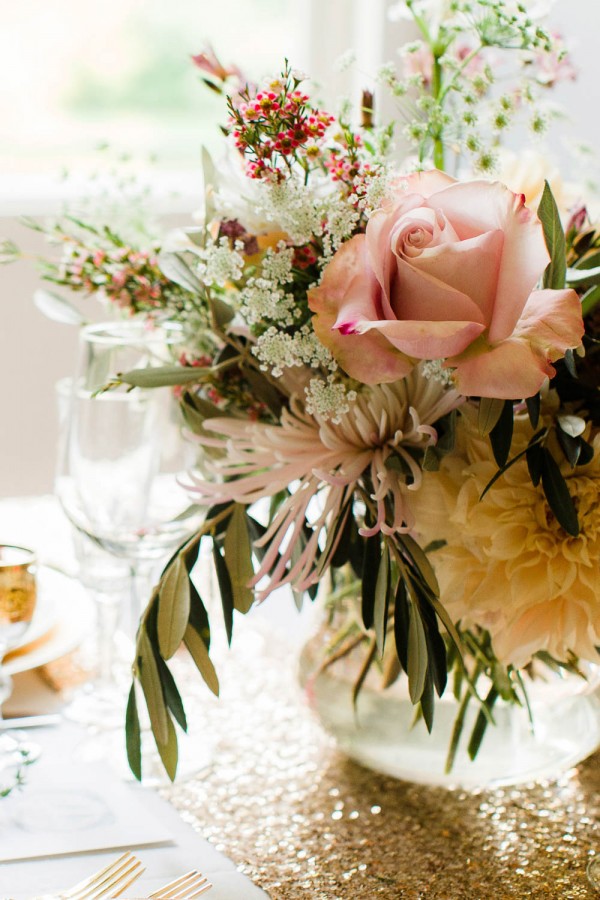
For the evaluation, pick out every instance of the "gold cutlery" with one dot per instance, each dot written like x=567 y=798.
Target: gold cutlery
x=183 y=888
x=110 y=881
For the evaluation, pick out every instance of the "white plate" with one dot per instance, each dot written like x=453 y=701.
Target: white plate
x=66 y=614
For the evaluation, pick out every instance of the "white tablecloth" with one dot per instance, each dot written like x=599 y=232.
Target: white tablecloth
x=35 y=522
x=20 y=880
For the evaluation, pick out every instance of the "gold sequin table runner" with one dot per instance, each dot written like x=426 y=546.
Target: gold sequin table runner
x=304 y=822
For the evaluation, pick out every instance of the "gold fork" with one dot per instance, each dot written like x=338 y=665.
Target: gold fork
x=183 y=888
x=110 y=881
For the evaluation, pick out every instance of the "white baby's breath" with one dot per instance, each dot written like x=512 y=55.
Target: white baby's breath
x=329 y=399
x=277 y=350
x=219 y=264
x=345 y=61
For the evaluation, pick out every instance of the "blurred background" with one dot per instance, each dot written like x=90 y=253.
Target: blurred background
x=87 y=90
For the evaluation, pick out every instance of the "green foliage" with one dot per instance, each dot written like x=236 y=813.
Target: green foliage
x=173 y=607
x=579 y=278
x=133 y=737
x=557 y=494
x=554 y=236
x=490 y=410
x=371 y=562
x=590 y=300
x=502 y=432
x=176 y=268
x=238 y=559
x=225 y=588
x=534 y=405
x=9 y=252
x=57 y=308
x=162 y=376
x=381 y=601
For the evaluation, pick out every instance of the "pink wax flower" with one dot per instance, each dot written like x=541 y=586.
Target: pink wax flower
x=419 y=61
x=209 y=63
x=447 y=271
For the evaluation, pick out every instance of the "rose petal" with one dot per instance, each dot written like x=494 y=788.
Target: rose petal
x=511 y=370
x=424 y=183
x=434 y=227
x=379 y=241
x=362 y=301
x=419 y=297
x=471 y=268
x=369 y=358
x=517 y=367
x=479 y=206
x=349 y=263
x=553 y=321
x=427 y=340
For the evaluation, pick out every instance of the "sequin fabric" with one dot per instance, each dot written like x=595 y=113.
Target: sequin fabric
x=304 y=822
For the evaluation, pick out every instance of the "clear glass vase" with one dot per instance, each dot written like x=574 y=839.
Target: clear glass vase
x=380 y=731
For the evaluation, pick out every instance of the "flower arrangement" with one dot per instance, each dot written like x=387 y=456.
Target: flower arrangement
x=403 y=362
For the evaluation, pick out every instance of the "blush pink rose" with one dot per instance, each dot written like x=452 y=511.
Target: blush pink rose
x=447 y=270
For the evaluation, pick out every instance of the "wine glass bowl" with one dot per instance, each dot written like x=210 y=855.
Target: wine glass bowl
x=117 y=483
x=122 y=453
x=122 y=449
x=111 y=348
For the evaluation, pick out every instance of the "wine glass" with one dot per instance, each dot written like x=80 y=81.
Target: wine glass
x=117 y=480
x=18 y=594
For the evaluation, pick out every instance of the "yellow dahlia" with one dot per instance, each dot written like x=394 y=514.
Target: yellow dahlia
x=507 y=565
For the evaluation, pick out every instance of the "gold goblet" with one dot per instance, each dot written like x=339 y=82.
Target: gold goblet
x=18 y=594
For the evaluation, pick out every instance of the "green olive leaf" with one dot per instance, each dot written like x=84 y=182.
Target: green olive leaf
x=173 y=607
x=238 y=557
x=199 y=653
x=151 y=686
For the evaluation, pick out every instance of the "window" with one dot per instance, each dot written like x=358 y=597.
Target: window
x=77 y=76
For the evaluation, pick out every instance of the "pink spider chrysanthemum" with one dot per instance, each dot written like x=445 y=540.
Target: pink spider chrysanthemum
x=323 y=463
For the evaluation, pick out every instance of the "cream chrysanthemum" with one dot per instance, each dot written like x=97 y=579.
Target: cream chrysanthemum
x=324 y=460
x=507 y=565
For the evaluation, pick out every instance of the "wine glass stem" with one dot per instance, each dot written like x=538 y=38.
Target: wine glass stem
x=107 y=608
x=142 y=577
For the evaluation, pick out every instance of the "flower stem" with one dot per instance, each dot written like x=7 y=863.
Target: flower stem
x=438 y=94
x=438 y=153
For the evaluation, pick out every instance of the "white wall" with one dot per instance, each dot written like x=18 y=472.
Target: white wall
x=34 y=353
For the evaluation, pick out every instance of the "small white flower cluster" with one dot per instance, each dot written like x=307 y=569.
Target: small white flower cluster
x=345 y=61
x=329 y=400
x=293 y=208
x=278 y=350
x=261 y=300
x=264 y=298
x=277 y=264
x=373 y=191
x=433 y=370
x=220 y=264
x=386 y=74
x=305 y=212
x=340 y=220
